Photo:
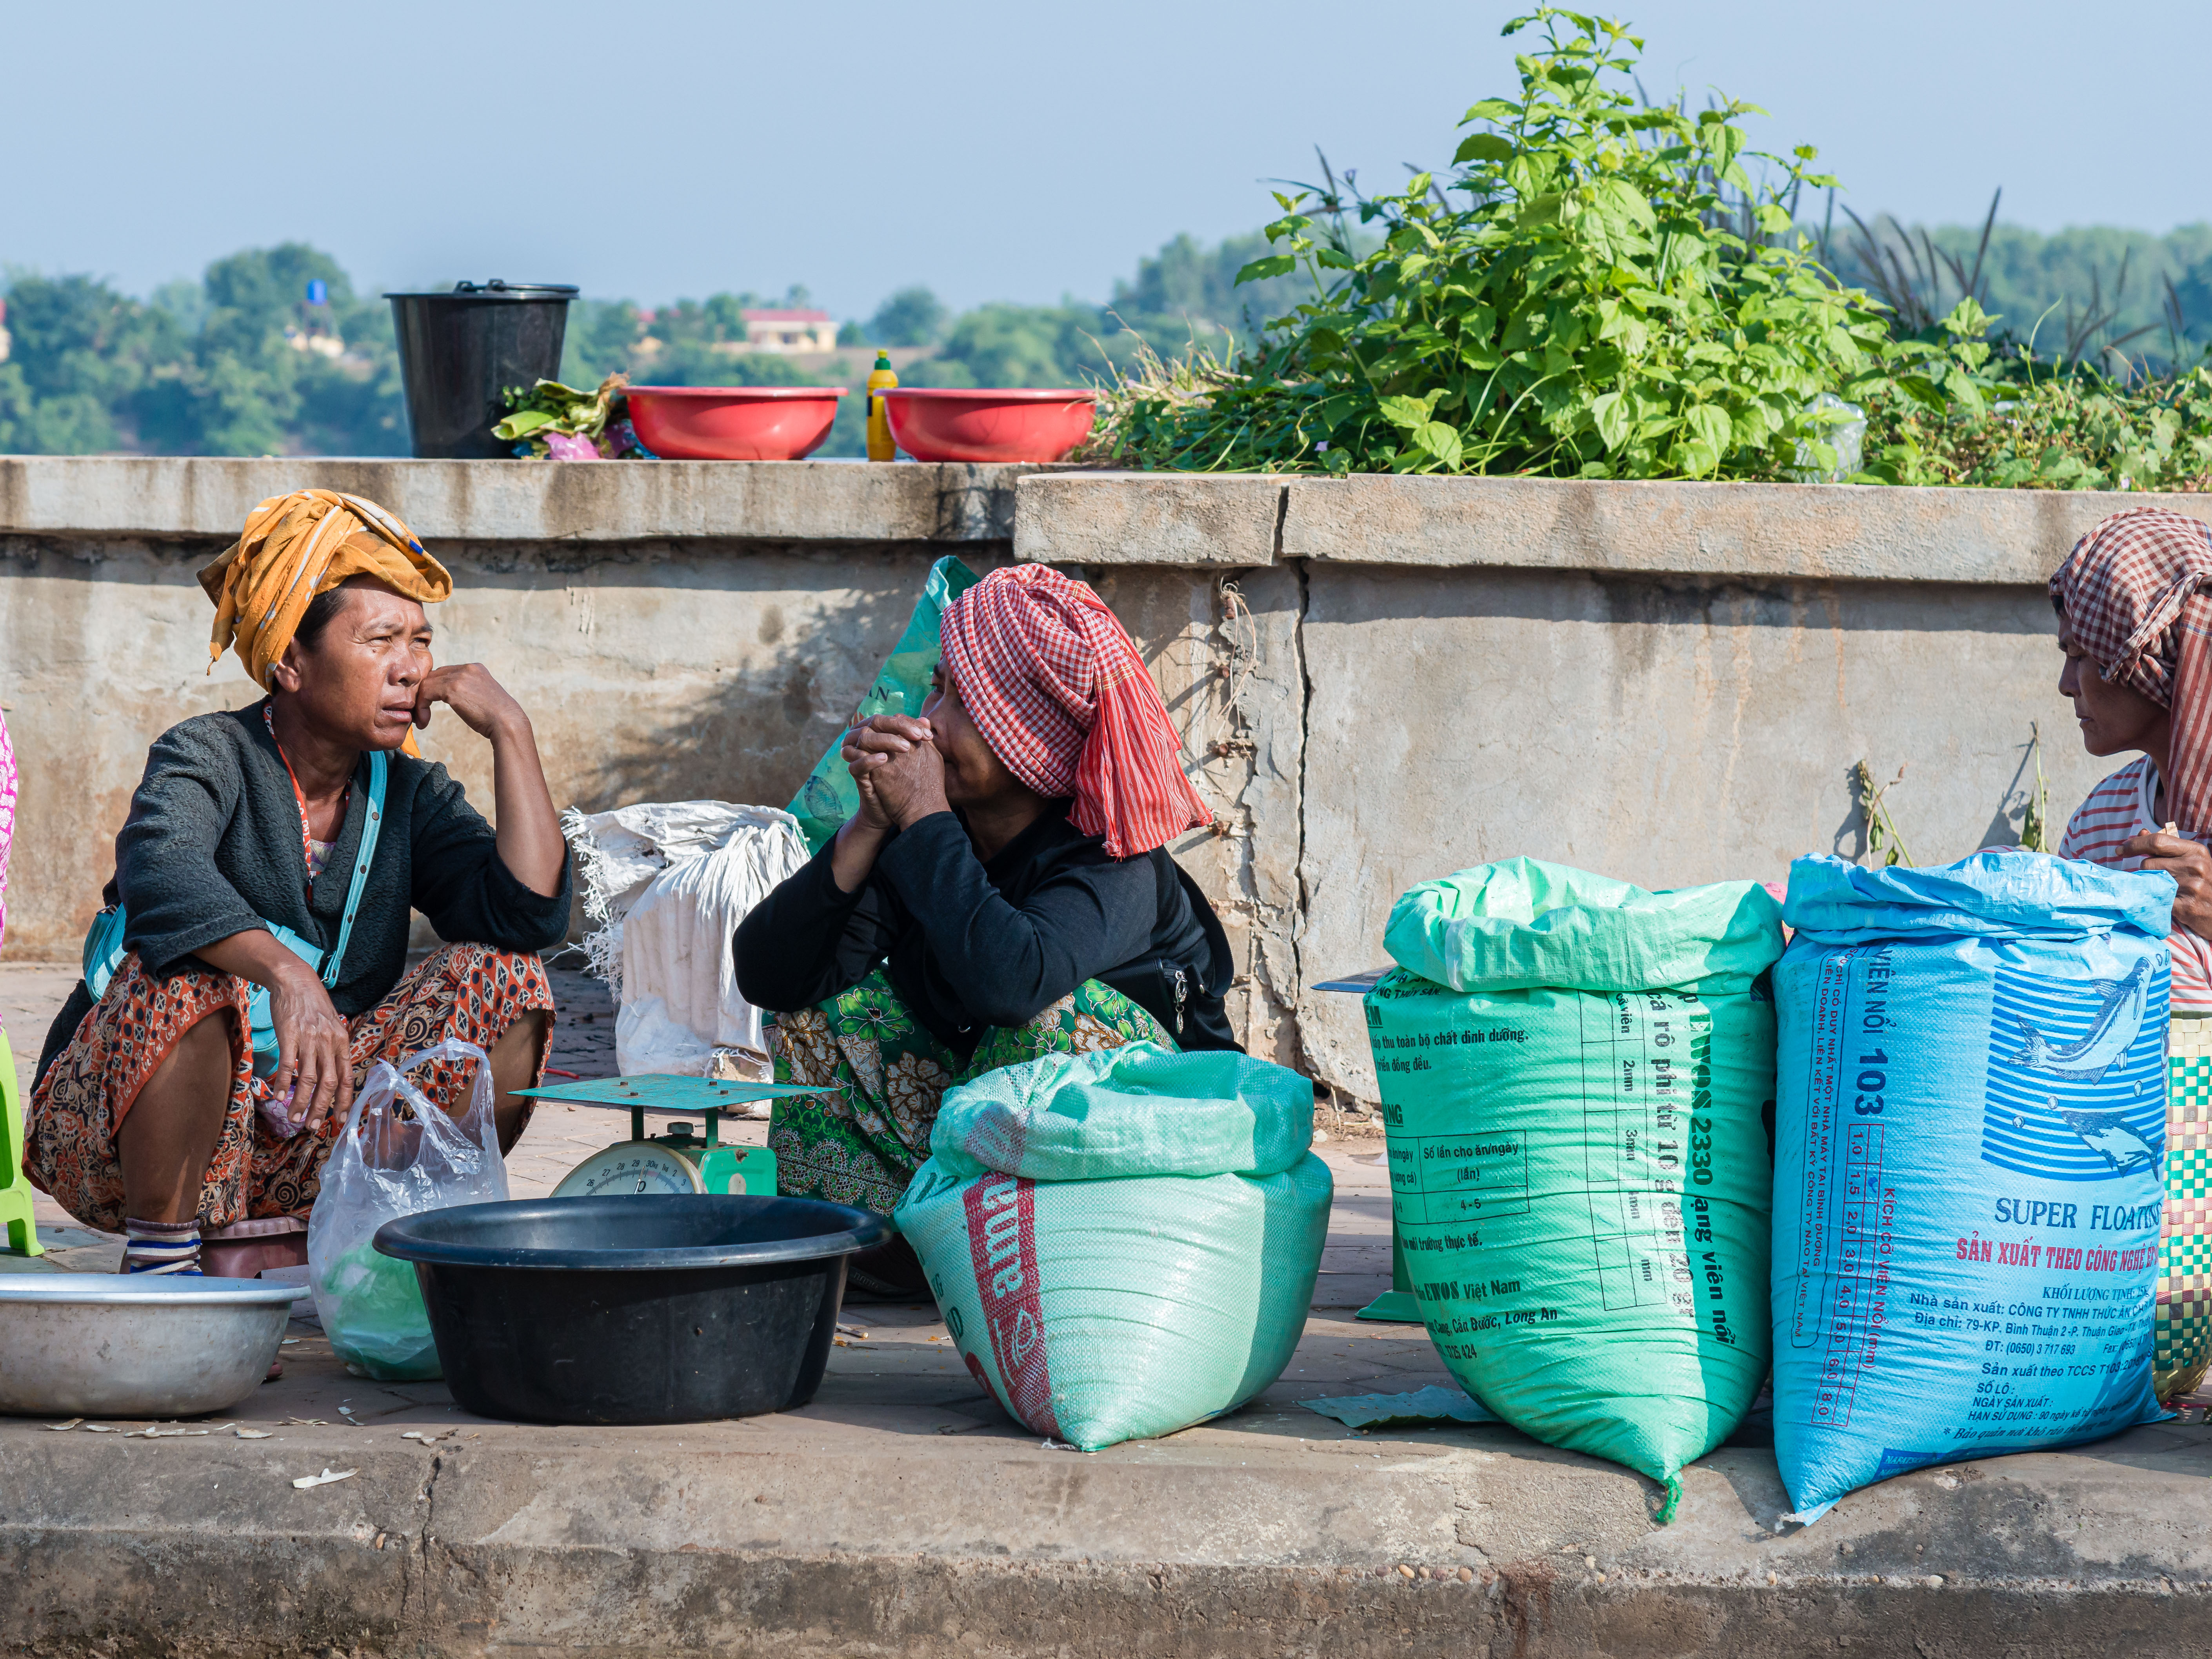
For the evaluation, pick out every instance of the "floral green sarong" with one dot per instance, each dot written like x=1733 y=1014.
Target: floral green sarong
x=861 y=1143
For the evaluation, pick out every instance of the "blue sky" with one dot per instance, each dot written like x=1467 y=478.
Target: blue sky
x=991 y=150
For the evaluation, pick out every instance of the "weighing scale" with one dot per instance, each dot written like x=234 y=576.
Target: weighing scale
x=679 y=1161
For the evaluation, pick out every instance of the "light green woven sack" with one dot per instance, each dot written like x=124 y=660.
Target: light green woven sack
x=1124 y=1242
x=1577 y=1083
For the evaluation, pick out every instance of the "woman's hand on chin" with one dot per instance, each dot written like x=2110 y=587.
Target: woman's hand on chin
x=2190 y=866
x=894 y=761
x=483 y=704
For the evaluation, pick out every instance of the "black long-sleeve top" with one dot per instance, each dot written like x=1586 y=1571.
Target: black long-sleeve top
x=211 y=848
x=970 y=944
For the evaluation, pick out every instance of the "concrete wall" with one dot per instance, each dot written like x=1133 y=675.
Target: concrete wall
x=1379 y=680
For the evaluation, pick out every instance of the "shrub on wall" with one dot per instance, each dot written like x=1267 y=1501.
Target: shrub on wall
x=1601 y=287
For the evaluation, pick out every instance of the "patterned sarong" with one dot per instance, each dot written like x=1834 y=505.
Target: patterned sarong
x=471 y=992
x=861 y=1143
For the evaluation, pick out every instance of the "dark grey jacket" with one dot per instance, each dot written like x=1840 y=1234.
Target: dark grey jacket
x=211 y=848
x=970 y=945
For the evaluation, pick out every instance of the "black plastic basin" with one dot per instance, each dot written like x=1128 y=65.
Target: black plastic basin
x=639 y=1309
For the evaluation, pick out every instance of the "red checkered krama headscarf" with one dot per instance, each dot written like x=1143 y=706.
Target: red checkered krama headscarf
x=2131 y=594
x=1054 y=683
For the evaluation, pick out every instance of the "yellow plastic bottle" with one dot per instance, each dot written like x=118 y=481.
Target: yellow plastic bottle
x=880 y=379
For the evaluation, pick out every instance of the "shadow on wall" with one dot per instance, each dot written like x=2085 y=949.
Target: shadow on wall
x=720 y=671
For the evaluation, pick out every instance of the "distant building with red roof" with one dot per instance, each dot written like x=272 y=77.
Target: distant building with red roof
x=790 y=331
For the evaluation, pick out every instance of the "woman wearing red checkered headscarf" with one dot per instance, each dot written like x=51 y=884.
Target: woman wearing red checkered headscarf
x=1003 y=891
x=2136 y=624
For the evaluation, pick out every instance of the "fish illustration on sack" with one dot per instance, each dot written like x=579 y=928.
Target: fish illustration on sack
x=2110 y=1136
x=2077 y=1074
x=2112 y=1033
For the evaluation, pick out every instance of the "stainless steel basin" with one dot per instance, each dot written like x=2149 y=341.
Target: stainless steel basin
x=136 y=1346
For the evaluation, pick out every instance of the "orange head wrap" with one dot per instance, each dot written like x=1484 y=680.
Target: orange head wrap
x=297 y=546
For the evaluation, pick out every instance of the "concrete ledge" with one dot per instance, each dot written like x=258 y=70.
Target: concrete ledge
x=832 y=501
x=1140 y=518
x=911 y=1529
x=1827 y=532
x=1845 y=533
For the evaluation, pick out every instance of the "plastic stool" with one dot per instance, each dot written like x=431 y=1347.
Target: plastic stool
x=14 y=1189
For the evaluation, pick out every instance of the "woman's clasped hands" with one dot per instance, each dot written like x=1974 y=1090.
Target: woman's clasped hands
x=899 y=772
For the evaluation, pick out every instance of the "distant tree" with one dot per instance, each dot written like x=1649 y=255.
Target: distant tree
x=2192 y=295
x=184 y=299
x=82 y=353
x=1187 y=281
x=696 y=362
x=601 y=337
x=1003 y=344
x=911 y=317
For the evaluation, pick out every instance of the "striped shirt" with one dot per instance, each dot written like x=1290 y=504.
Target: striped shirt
x=2118 y=810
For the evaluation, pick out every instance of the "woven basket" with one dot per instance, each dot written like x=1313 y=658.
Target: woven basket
x=2183 y=1345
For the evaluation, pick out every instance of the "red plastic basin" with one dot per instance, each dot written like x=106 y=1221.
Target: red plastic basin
x=734 y=423
x=988 y=423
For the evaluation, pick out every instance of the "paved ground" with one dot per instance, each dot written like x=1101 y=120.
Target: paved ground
x=901 y=1511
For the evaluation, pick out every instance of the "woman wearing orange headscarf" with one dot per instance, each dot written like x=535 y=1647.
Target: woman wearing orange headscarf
x=266 y=873
x=1003 y=891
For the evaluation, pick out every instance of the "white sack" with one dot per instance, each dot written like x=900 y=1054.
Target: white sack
x=675 y=937
x=669 y=883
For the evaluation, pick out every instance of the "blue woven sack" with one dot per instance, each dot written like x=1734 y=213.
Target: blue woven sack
x=1969 y=1130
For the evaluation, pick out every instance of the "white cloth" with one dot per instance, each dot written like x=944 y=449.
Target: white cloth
x=671 y=882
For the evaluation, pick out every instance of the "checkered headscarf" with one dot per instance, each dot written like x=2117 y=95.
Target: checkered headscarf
x=1055 y=684
x=2131 y=593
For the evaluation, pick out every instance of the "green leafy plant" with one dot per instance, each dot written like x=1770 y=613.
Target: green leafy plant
x=2035 y=820
x=2073 y=428
x=1616 y=297
x=1881 y=836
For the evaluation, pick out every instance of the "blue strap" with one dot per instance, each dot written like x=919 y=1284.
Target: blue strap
x=103 y=943
x=380 y=765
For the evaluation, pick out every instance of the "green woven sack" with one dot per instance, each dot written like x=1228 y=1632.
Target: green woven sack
x=1124 y=1242
x=1577 y=1083
x=829 y=796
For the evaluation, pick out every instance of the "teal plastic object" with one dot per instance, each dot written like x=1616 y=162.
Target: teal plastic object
x=1124 y=1242
x=829 y=796
x=1575 y=1076
x=386 y=1332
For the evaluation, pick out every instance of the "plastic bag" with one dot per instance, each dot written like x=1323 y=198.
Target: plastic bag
x=1576 y=1075
x=829 y=796
x=384 y=1166
x=1968 y=1146
x=1124 y=1242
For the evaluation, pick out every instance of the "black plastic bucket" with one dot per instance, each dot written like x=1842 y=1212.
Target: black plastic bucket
x=637 y=1309
x=460 y=349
